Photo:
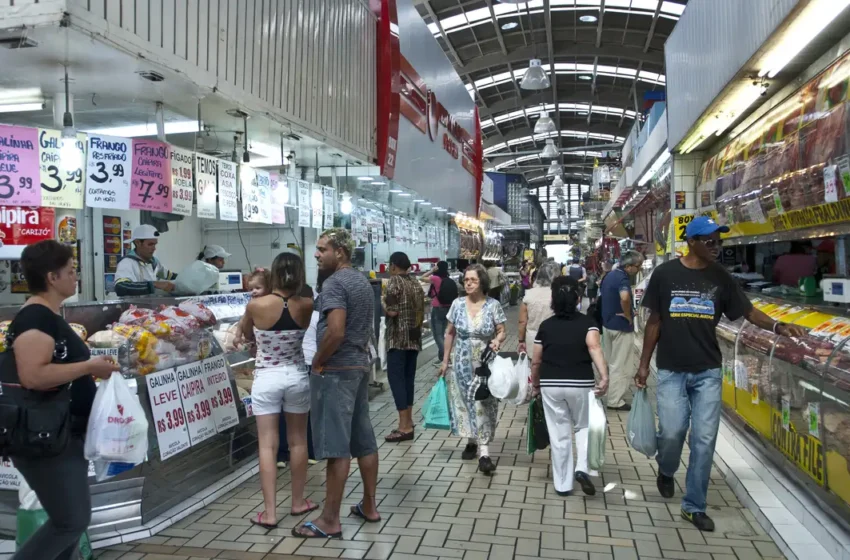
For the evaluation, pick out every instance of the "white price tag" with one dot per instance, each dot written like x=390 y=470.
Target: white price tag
x=227 y=197
x=830 y=184
x=182 y=183
x=10 y=478
x=196 y=402
x=316 y=204
x=220 y=390
x=206 y=180
x=109 y=165
x=329 y=198
x=280 y=198
x=169 y=419
x=110 y=352
x=304 y=213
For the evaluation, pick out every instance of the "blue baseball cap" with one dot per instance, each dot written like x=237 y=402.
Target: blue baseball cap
x=703 y=225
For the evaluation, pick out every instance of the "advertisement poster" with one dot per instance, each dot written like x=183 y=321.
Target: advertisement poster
x=61 y=187
x=280 y=198
x=228 y=200
x=150 y=188
x=304 y=204
x=108 y=167
x=196 y=402
x=22 y=226
x=329 y=199
x=225 y=414
x=206 y=179
x=182 y=183
x=19 y=167
x=172 y=435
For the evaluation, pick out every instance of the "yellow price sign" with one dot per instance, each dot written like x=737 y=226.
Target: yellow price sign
x=681 y=224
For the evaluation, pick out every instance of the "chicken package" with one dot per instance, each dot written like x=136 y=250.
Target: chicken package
x=80 y=330
x=143 y=345
x=178 y=315
x=199 y=311
x=136 y=316
x=158 y=325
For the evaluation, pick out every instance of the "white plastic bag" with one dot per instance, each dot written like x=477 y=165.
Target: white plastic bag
x=503 y=382
x=522 y=374
x=196 y=278
x=118 y=429
x=27 y=498
x=597 y=433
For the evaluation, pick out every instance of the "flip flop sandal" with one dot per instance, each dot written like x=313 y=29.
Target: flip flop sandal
x=357 y=511
x=259 y=522
x=397 y=436
x=310 y=507
x=317 y=533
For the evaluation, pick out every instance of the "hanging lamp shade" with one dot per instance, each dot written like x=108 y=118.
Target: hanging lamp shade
x=558 y=183
x=544 y=124
x=554 y=169
x=549 y=150
x=559 y=192
x=535 y=77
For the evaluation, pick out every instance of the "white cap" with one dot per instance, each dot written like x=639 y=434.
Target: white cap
x=140 y=233
x=215 y=251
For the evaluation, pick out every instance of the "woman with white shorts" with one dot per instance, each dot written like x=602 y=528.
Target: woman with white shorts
x=277 y=323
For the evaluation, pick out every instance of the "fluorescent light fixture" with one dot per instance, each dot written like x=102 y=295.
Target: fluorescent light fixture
x=549 y=150
x=810 y=21
x=535 y=77
x=653 y=169
x=364 y=178
x=149 y=129
x=345 y=203
x=426 y=204
x=21 y=100
x=588 y=19
x=452 y=213
x=509 y=25
x=21 y=107
x=732 y=106
x=377 y=183
x=544 y=124
x=394 y=191
x=585 y=77
x=404 y=194
x=419 y=200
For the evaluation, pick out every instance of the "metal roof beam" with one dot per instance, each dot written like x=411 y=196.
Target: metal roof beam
x=457 y=61
x=498 y=29
x=652 y=27
x=519 y=97
x=616 y=96
x=515 y=134
x=599 y=25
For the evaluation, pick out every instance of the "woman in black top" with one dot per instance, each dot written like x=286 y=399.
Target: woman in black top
x=50 y=354
x=566 y=349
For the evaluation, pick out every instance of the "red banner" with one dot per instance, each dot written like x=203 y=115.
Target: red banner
x=24 y=225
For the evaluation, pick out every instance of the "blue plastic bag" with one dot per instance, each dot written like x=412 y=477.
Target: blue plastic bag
x=437 y=407
x=640 y=427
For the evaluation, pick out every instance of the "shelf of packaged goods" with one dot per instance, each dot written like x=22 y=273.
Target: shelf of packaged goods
x=815 y=304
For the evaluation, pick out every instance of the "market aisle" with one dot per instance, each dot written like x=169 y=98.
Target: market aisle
x=434 y=505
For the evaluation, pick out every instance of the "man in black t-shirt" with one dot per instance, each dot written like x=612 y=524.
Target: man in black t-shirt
x=686 y=298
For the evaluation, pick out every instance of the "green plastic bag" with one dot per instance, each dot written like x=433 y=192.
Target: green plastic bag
x=530 y=447
x=30 y=520
x=437 y=407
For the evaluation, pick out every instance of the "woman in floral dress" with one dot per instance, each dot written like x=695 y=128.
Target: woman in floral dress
x=475 y=321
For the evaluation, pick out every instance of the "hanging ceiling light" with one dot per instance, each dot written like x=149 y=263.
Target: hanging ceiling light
x=554 y=169
x=558 y=183
x=544 y=124
x=345 y=203
x=69 y=154
x=549 y=150
x=535 y=77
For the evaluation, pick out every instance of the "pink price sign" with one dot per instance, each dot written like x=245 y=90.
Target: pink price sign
x=20 y=172
x=150 y=188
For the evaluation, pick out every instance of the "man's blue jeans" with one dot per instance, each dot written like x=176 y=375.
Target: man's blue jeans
x=689 y=399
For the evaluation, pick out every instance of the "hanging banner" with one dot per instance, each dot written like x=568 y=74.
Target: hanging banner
x=19 y=168
x=182 y=184
x=303 y=204
x=150 y=188
x=60 y=187
x=280 y=198
x=206 y=179
x=329 y=199
x=169 y=419
x=196 y=402
x=225 y=414
x=228 y=199
x=108 y=167
x=264 y=197
x=22 y=226
x=316 y=205
x=248 y=190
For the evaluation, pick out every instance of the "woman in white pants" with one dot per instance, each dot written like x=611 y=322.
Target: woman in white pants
x=566 y=349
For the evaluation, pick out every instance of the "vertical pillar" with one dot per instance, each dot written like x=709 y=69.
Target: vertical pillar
x=841 y=268
x=683 y=204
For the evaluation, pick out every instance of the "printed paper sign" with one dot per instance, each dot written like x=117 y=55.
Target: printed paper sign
x=22 y=226
x=182 y=183
x=264 y=196
x=19 y=167
x=206 y=179
x=108 y=167
x=10 y=478
x=316 y=204
x=250 y=196
x=172 y=434
x=228 y=201
x=108 y=352
x=280 y=198
x=150 y=188
x=830 y=184
x=786 y=412
x=225 y=414
x=61 y=187
x=304 y=204
x=196 y=402
x=330 y=197
x=813 y=412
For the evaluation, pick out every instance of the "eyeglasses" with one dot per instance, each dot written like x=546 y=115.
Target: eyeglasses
x=470 y=280
x=711 y=242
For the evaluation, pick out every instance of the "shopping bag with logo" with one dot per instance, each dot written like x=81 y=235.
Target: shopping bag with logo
x=437 y=407
x=503 y=383
x=31 y=516
x=117 y=430
x=597 y=433
x=640 y=427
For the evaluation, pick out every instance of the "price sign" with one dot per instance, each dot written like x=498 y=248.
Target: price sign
x=169 y=419
x=61 y=185
x=844 y=172
x=681 y=224
x=330 y=197
x=250 y=198
x=108 y=352
x=830 y=184
x=228 y=208
x=303 y=204
x=316 y=204
x=10 y=478
x=196 y=402
x=220 y=389
x=150 y=187
x=206 y=179
x=182 y=184
x=108 y=168
x=264 y=196
x=19 y=168
x=280 y=198
x=813 y=413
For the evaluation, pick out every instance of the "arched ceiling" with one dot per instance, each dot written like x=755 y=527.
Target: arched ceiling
x=607 y=55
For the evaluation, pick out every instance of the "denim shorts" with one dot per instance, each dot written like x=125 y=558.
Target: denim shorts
x=339 y=407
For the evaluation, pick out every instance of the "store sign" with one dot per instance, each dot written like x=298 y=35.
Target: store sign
x=19 y=167
x=150 y=187
x=217 y=381
x=182 y=183
x=22 y=226
x=196 y=402
x=304 y=213
x=109 y=161
x=228 y=198
x=169 y=419
x=328 y=206
x=206 y=183
x=803 y=449
x=61 y=187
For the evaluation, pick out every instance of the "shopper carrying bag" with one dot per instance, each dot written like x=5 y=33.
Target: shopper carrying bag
x=640 y=427
x=437 y=408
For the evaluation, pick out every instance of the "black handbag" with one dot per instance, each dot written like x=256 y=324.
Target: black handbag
x=33 y=424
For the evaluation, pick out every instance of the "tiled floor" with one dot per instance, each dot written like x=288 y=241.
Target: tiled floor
x=434 y=505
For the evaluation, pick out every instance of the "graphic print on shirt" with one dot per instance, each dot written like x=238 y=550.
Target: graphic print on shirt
x=688 y=304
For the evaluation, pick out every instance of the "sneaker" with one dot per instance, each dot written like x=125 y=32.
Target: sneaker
x=586 y=485
x=565 y=493
x=469 y=452
x=312 y=462
x=666 y=485
x=485 y=465
x=625 y=408
x=281 y=464
x=699 y=520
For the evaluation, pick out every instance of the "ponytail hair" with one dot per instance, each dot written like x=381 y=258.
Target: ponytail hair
x=565 y=296
x=287 y=273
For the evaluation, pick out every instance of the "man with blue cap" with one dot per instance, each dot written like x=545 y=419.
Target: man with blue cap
x=686 y=298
